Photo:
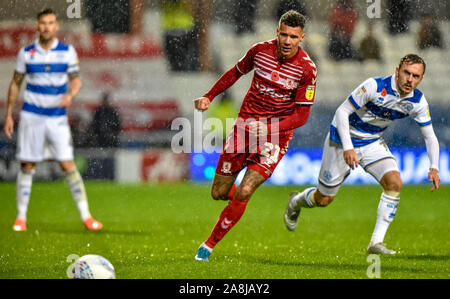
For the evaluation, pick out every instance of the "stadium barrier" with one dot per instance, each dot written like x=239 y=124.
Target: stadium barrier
x=125 y=166
x=298 y=167
x=302 y=166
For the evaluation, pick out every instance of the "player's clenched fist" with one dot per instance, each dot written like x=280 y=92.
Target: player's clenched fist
x=202 y=104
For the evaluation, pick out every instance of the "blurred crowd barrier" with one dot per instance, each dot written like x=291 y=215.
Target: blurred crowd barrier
x=300 y=166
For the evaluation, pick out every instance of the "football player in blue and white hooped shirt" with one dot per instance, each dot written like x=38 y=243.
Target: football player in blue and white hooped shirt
x=355 y=138
x=52 y=81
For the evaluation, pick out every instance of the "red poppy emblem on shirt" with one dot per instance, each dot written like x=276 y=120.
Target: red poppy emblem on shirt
x=384 y=92
x=275 y=76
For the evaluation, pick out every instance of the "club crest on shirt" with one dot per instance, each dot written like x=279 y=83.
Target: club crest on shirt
x=408 y=107
x=289 y=83
x=310 y=90
x=226 y=167
x=384 y=92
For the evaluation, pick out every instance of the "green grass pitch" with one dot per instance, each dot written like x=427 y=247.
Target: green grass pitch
x=153 y=231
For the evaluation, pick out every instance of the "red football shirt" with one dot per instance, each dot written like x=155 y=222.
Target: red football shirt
x=278 y=84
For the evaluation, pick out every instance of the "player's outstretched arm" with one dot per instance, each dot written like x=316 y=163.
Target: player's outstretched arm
x=343 y=127
x=13 y=94
x=224 y=82
x=432 y=146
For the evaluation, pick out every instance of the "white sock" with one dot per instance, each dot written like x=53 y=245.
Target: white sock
x=207 y=247
x=305 y=199
x=78 y=193
x=23 y=184
x=387 y=209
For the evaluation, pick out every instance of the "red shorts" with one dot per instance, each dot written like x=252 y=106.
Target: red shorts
x=262 y=154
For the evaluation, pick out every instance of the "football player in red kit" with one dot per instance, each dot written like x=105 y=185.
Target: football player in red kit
x=278 y=101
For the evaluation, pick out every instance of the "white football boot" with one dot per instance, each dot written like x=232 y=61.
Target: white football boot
x=291 y=214
x=379 y=248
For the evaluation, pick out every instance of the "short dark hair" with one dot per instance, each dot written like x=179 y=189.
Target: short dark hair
x=293 y=18
x=413 y=59
x=47 y=11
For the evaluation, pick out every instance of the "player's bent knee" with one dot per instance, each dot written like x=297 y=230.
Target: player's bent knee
x=217 y=194
x=27 y=166
x=243 y=193
x=67 y=166
x=392 y=182
x=393 y=185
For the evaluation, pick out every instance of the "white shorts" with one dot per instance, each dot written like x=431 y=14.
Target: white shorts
x=44 y=138
x=375 y=158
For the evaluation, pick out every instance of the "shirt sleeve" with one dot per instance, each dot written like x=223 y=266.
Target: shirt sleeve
x=432 y=145
x=295 y=120
x=73 y=63
x=422 y=114
x=306 y=92
x=21 y=66
x=363 y=94
x=246 y=64
x=343 y=124
x=224 y=82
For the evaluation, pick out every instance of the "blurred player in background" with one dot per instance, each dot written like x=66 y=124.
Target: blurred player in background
x=278 y=101
x=52 y=76
x=355 y=138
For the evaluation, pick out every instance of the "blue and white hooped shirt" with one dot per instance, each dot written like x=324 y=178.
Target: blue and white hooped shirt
x=377 y=104
x=47 y=76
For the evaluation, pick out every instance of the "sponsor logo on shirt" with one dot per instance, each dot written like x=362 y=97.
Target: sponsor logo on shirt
x=310 y=90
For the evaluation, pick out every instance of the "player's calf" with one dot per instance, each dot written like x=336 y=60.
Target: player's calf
x=223 y=193
x=322 y=200
x=387 y=209
x=23 y=192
